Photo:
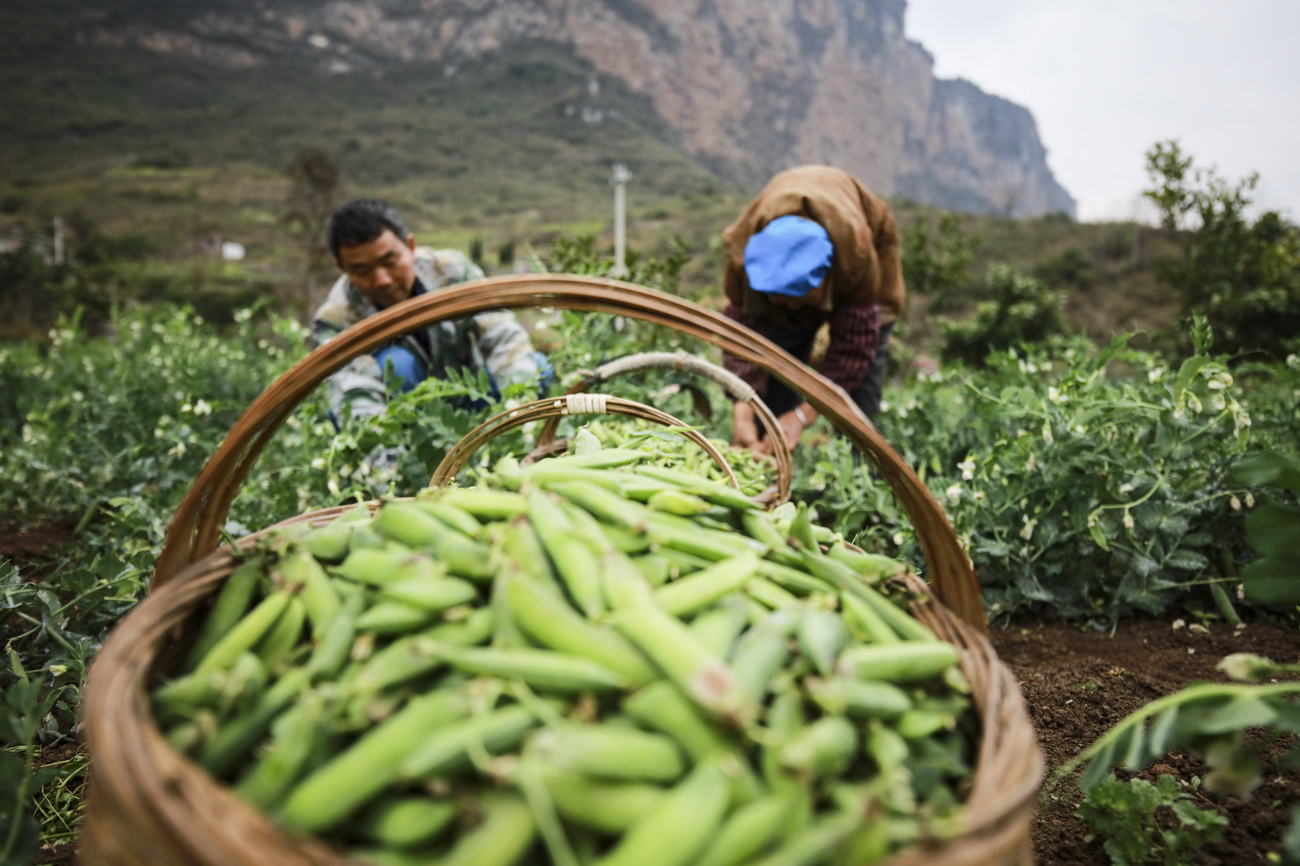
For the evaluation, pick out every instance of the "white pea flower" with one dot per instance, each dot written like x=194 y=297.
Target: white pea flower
x=1047 y=433
x=1027 y=531
x=1194 y=404
x=898 y=539
x=1126 y=487
x=1054 y=395
x=953 y=493
x=978 y=496
x=967 y=468
x=178 y=450
x=1219 y=381
x=1234 y=503
x=334 y=488
x=58 y=670
x=202 y=407
x=318 y=464
x=1217 y=402
x=1128 y=520
x=1250 y=500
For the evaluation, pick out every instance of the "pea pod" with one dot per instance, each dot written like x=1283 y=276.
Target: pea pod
x=680 y=826
x=606 y=806
x=502 y=839
x=370 y=765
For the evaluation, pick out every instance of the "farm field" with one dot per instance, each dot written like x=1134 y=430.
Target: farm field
x=1086 y=628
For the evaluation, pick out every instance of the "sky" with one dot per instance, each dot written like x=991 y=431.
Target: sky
x=1107 y=79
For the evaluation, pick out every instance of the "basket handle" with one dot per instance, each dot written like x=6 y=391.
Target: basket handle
x=683 y=362
x=556 y=407
x=195 y=529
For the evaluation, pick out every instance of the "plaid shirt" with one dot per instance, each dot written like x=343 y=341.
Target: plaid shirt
x=854 y=335
x=493 y=340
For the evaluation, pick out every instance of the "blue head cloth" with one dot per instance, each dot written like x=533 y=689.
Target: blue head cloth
x=790 y=256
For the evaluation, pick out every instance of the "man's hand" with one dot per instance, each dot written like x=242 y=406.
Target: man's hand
x=744 y=432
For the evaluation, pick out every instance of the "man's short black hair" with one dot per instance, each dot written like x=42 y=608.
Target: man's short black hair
x=361 y=221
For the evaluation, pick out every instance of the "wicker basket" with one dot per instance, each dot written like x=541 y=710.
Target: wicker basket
x=558 y=407
x=147 y=805
x=681 y=362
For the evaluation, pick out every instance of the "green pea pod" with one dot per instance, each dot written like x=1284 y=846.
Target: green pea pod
x=413 y=656
x=663 y=707
x=909 y=662
x=801 y=529
x=283 y=637
x=815 y=843
x=504 y=837
x=394 y=617
x=233 y=740
x=546 y=617
x=231 y=604
x=689 y=594
x=434 y=596
x=438 y=749
x=611 y=752
x=762 y=651
x=771 y=596
x=574 y=558
x=455 y=517
x=821 y=635
x=293 y=736
x=714 y=491
x=539 y=668
x=702 y=675
x=719 y=627
x=678 y=829
x=329 y=542
x=848 y=581
x=822 y=749
x=871 y=566
x=605 y=806
x=245 y=634
x=370 y=765
x=864 y=622
x=405 y=822
x=749 y=831
x=485 y=504
x=377 y=566
x=862 y=699
x=409 y=524
x=603 y=504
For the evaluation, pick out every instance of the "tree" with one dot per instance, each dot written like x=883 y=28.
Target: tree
x=312 y=199
x=1243 y=276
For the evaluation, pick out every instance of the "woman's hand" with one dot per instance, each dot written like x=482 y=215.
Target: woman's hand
x=744 y=431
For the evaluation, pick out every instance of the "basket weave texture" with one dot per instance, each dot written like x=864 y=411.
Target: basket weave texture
x=147 y=805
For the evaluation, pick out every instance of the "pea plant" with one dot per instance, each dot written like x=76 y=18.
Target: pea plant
x=1096 y=485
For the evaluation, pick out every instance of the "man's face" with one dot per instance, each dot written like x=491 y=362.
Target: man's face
x=383 y=270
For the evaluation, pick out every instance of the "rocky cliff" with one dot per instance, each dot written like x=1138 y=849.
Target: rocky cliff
x=750 y=87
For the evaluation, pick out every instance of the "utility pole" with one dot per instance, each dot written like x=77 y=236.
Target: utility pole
x=619 y=179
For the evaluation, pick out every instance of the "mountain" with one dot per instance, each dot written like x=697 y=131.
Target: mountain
x=739 y=89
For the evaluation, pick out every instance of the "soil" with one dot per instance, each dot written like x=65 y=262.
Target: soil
x=1077 y=683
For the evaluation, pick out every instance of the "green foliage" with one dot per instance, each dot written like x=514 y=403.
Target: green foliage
x=1095 y=485
x=936 y=260
x=1242 y=274
x=1145 y=823
x=1273 y=530
x=1021 y=311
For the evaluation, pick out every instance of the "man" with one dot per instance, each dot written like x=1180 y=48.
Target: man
x=815 y=247
x=382 y=266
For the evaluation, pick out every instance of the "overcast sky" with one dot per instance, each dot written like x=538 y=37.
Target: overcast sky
x=1107 y=79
